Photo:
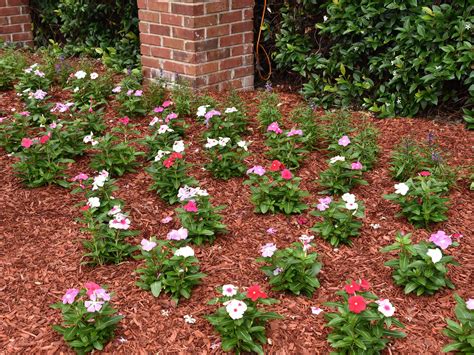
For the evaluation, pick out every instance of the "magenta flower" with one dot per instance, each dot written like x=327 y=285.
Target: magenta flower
x=70 y=295
x=274 y=127
x=158 y=109
x=356 y=166
x=171 y=116
x=441 y=239
x=190 y=206
x=257 y=169
x=24 y=113
x=167 y=103
x=295 y=132
x=80 y=176
x=124 y=120
x=344 y=141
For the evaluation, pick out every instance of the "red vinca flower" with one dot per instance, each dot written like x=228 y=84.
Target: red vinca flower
x=254 y=293
x=357 y=304
x=364 y=284
x=44 y=139
x=276 y=165
x=353 y=287
x=168 y=163
x=425 y=173
x=175 y=155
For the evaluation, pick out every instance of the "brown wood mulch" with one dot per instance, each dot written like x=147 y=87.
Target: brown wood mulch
x=40 y=252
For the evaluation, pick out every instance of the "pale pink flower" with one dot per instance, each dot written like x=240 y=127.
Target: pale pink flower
x=268 y=250
x=138 y=93
x=257 y=169
x=441 y=239
x=470 y=304
x=344 y=141
x=295 y=132
x=385 y=307
x=93 y=305
x=271 y=231
x=117 y=89
x=120 y=222
x=177 y=234
x=324 y=203
x=147 y=245
x=70 y=296
x=166 y=220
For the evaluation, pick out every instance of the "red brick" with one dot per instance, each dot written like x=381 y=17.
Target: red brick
x=3 y=3
x=12 y=29
x=230 y=84
x=150 y=39
x=242 y=26
x=200 y=21
x=217 y=6
x=25 y=10
x=208 y=68
x=217 y=31
x=142 y=4
x=9 y=11
x=202 y=46
x=240 y=4
x=186 y=57
x=247 y=14
x=241 y=50
x=159 y=29
x=27 y=27
x=162 y=6
x=160 y=52
x=231 y=40
x=240 y=72
x=230 y=17
x=148 y=16
x=218 y=77
x=188 y=9
x=18 y=37
x=248 y=37
x=174 y=67
x=143 y=27
x=247 y=59
x=186 y=33
x=217 y=54
x=18 y=2
x=175 y=43
x=230 y=63
x=20 y=19
x=169 y=19
x=150 y=62
x=145 y=50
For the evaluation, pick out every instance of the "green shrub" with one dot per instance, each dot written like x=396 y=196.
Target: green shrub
x=392 y=57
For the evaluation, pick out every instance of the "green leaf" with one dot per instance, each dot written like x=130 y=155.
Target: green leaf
x=156 y=288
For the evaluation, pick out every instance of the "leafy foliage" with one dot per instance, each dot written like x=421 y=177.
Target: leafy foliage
x=462 y=331
x=415 y=269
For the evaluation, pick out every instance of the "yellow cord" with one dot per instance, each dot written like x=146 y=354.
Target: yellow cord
x=258 y=46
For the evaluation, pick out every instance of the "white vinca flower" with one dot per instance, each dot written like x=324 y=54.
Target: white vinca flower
x=349 y=198
x=211 y=142
x=80 y=74
x=161 y=154
x=243 y=144
x=230 y=110
x=401 y=189
x=223 y=141
x=336 y=159
x=189 y=319
x=235 y=308
x=185 y=252
x=178 y=146
x=93 y=202
x=229 y=290
x=164 y=128
x=201 y=112
x=385 y=307
x=94 y=76
x=435 y=255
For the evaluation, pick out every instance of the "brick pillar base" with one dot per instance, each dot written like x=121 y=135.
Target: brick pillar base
x=208 y=43
x=15 y=22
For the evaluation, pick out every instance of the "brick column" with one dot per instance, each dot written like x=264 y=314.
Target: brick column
x=15 y=22
x=209 y=43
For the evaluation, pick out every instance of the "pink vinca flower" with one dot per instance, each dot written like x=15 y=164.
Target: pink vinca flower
x=356 y=166
x=257 y=169
x=26 y=142
x=91 y=287
x=190 y=206
x=124 y=120
x=286 y=174
x=274 y=127
x=167 y=103
x=177 y=234
x=120 y=222
x=93 y=305
x=158 y=109
x=70 y=296
x=268 y=250
x=138 y=93
x=344 y=141
x=295 y=132
x=170 y=117
x=441 y=239
x=324 y=203
x=147 y=245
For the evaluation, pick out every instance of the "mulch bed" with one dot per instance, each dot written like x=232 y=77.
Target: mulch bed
x=41 y=251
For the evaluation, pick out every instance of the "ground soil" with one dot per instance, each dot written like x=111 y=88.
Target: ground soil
x=41 y=252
